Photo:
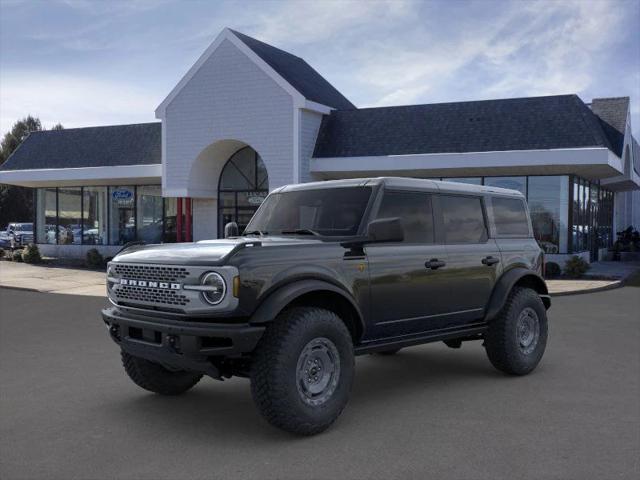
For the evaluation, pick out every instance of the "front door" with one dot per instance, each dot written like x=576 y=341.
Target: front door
x=407 y=292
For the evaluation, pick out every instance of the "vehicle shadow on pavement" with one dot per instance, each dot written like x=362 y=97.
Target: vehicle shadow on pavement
x=227 y=408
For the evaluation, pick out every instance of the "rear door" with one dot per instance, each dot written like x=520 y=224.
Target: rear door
x=474 y=259
x=407 y=292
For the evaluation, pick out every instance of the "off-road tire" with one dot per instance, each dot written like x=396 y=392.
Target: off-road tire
x=501 y=340
x=156 y=378
x=274 y=372
x=386 y=353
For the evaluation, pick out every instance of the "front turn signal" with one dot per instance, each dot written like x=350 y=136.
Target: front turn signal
x=236 y=286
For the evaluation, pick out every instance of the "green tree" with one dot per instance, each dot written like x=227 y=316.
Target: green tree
x=16 y=203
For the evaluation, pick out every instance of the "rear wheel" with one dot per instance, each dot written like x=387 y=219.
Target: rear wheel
x=303 y=370
x=155 y=378
x=517 y=338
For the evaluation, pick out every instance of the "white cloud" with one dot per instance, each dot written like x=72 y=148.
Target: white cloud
x=72 y=100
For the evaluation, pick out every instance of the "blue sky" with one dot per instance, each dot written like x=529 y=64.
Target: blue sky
x=82 y=62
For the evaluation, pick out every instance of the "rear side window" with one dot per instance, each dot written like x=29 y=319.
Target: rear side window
x=463 y=219
x=414 y=211
x=510 y=217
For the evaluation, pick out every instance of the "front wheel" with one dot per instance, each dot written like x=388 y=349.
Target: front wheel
x=517 y=338
x=302 y=370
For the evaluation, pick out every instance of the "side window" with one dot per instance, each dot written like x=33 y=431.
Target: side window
x=463 y=219
x=414 y=211
x=510 y=217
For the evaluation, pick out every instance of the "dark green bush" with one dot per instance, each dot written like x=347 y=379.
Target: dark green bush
x=1 y=252
x=575 y=267
x=94 y=259
x=31 y=254
x=552 y=270
x=16 y=256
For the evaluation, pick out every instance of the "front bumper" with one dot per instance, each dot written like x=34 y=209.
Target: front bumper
x=180 y=344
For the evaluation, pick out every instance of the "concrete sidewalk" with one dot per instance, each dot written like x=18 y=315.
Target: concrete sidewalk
x=72 y=281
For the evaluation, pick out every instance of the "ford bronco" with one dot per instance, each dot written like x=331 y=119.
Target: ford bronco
x=326 y=271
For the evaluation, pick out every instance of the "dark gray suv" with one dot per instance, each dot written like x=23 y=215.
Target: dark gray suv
x=326 y=271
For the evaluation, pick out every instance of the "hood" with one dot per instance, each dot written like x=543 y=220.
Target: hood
x=206 y=252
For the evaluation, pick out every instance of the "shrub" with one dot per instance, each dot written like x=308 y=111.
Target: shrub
x=16 y=256
x=94 y=259
x=1 y=252
x=31 y=254
x=575 y=267
x=552 y=270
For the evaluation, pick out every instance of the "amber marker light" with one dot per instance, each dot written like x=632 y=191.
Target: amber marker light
x=236 y=286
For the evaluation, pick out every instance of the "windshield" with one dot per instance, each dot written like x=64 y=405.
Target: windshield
x=328 y=212
x=23 y=227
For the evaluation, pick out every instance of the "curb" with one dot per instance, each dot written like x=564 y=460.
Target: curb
x=613 y=286
x=25 y=289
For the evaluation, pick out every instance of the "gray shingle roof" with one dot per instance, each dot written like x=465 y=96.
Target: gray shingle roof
x=613 y=116
x=533 y=123
x=137 y=144
x=298 y=73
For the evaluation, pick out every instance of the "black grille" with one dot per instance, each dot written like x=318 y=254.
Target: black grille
x=151 y=273
x=131 y=293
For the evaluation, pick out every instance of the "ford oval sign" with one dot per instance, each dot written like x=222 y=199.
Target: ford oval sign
x=122 y=194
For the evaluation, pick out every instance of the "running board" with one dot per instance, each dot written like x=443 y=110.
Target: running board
x=428 y=337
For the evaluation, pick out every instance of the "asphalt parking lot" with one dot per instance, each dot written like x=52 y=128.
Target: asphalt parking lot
x=68 y=411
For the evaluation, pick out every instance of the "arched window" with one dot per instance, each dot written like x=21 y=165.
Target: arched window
x=243 y=186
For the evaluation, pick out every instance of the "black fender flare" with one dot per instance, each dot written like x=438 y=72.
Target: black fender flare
x=507 y=281
x=284 y=295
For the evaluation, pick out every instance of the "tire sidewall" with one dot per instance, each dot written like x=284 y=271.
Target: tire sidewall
x=345 y=351
x=523 y=362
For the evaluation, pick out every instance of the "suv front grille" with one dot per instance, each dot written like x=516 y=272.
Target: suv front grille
x=151 y=272
x=128 y=293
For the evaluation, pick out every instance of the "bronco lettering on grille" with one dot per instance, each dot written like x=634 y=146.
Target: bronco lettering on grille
x=149 y=284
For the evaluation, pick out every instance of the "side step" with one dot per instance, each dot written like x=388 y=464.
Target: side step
x=417 y=339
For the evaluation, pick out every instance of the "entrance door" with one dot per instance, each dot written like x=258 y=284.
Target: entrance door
x=244 y=184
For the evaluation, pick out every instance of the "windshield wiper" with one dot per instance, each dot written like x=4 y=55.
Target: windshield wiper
x=254 y=232
x=300 y=231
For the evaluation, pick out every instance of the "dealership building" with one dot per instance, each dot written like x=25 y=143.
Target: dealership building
x=248 y=118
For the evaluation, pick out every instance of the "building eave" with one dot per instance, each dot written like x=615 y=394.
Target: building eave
x=84 y=176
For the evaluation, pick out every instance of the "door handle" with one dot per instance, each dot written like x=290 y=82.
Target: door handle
x=434 y=264
x=488 y=261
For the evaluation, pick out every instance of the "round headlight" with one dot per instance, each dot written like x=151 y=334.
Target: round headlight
x=216 y=288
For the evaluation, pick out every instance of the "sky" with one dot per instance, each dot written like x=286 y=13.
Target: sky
x=102 y=62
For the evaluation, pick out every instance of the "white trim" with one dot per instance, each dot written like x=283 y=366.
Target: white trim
x=609 y=164
x=82 y=175
x=317 y=107
x=227 y=34
x=163 y=152
x=297 y=113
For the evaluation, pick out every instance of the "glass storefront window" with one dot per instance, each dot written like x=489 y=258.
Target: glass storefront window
x=469 y=180
x=94 y=215
x=149 y=213
x=46 y=215
x=549 y=206
x=170 y=220
x=514 y=183
x=70 y=216
x=122 y=219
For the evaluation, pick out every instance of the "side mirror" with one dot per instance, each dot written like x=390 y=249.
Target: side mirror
x=385 y=230
x=231 y=230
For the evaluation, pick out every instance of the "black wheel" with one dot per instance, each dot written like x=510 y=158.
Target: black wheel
x=392 y=351
x=302 y=370
x=517 y=338
x=156 y=378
